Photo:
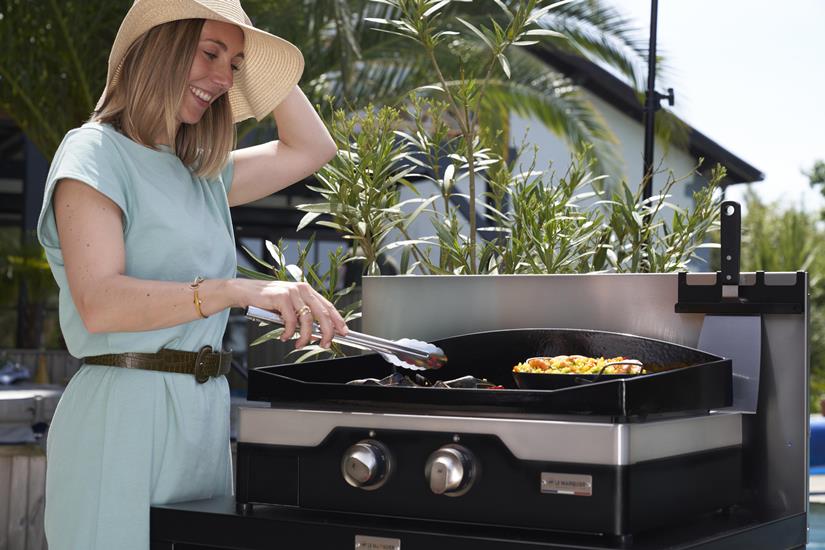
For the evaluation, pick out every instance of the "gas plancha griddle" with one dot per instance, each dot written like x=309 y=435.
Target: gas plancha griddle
x=678 y=380
x=587 y=458
x=707 y=450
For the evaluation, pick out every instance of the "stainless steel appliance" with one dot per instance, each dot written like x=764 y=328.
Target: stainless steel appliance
x=602 y=462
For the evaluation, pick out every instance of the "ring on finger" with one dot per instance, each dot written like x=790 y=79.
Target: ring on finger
x=303 y=311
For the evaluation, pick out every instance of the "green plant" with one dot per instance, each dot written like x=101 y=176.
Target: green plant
x=641 y=238
x=50 y=75
x=548 y=226
x=347 y=60
x=776 y=238
x=326 y=282
x=816 y=175
x=536 y=222
x=422 y=21
x=40 y=59
x=361 y=186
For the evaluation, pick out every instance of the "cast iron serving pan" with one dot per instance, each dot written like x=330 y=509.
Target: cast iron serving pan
x=678 y=378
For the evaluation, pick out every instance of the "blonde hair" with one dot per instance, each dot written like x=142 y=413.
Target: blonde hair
x=144 y=97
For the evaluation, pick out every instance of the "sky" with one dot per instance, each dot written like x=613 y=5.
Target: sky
x=750 y=75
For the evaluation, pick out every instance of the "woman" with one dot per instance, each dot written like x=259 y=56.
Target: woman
x=137 y=230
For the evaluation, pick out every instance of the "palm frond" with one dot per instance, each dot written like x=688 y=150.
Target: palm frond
x=50 y=78
x=563 y=110
x=600 y=33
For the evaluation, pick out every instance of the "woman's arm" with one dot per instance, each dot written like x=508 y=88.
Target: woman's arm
x=90 y=228
x=303 y=146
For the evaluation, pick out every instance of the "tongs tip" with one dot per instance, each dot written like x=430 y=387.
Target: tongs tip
x=426 y=356
x=434 y=361
x=437 y=361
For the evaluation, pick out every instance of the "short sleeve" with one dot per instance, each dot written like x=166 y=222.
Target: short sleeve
x=228 y=172
x=86 y=154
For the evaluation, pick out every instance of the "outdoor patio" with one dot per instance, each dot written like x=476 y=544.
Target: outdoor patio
x=517 y=179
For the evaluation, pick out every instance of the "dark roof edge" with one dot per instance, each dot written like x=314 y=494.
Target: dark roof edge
x=620 y=95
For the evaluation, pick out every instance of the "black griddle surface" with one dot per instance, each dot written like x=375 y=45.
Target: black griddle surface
x=681 y=379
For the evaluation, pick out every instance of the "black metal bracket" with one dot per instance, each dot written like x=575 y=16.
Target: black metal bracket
x=752 y=300
x=670 y=96
x=727 y=295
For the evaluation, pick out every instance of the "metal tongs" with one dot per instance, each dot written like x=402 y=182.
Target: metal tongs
x=406 y=353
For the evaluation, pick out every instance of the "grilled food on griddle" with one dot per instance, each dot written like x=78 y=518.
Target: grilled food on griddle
x=576 y=364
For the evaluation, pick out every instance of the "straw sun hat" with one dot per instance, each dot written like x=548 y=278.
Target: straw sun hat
x=271 y=68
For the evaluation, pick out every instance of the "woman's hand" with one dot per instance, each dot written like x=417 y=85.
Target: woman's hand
x=297 y=304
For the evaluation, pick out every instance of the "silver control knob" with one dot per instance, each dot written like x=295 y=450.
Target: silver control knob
x=450 y=470
x=366 y=464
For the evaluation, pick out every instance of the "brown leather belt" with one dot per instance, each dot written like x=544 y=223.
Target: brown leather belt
x=202 y=364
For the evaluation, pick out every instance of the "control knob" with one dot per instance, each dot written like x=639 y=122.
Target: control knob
x=366 y=464
x=451 y=470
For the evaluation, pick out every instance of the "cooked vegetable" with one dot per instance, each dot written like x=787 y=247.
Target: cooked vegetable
x=576 y=364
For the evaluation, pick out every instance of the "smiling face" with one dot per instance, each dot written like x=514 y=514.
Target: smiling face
x=218 y=56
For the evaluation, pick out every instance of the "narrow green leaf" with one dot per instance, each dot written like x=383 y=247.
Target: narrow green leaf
x=397 y=244
x=295 y=272
x=308 y=218
x=504 y=8
x=274 y=334
x=320 y=207
x=436 y=7
x=544 y=32
x=438 y=35
x=505 y=65
x=435 y=87
x=252 y=274
x=477 y=32
x=309 y=352
x=333 y=225
x=275 y=252
x=256 y=259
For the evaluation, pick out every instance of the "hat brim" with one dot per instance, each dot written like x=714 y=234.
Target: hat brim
x=272 y=66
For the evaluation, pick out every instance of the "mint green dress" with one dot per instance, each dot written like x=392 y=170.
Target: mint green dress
x=122 y=440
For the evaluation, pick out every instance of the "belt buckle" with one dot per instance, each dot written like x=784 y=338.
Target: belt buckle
x=200 y=365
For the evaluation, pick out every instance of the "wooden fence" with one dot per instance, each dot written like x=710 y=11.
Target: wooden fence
x=22 y=497
x=60 y=366
x=23 y=467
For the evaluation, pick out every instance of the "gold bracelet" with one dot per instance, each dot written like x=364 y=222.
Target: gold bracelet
x=194 y=286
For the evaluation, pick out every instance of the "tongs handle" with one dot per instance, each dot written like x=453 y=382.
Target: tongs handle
x=358 y=339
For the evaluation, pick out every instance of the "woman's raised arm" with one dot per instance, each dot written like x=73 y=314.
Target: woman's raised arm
x=302 y=147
